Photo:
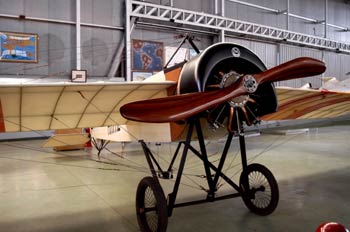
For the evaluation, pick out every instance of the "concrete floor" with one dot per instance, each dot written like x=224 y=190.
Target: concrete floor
x=41 y=190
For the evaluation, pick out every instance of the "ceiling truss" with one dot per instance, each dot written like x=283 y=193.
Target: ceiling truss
x=231 y=26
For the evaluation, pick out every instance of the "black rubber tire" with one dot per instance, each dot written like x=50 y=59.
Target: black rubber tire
x=262 y=196
x=151 y=206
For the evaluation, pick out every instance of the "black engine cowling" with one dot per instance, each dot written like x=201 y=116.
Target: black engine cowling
x=219 y=66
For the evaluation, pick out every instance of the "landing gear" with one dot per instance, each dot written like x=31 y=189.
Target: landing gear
x=99 y=144
x=151 y=206
x=260 y=189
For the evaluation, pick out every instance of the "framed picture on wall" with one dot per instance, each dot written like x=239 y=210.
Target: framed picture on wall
x=140 y=76
x=147 y=55
x=18 y=47
x=79 y=76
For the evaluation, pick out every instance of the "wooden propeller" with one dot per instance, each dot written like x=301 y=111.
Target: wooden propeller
x=182 y=107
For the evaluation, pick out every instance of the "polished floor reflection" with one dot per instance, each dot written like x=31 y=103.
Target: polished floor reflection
x=42 y=190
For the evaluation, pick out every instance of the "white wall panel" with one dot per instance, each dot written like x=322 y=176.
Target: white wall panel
x=246 y=13
x=196 y=5
x=106 y=12
x=338 y=65
x=12 y=7
x=339 y=14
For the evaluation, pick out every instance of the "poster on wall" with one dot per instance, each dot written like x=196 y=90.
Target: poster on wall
x=147 y=55
x=140 y=76
x=78 y=75
x=18 y=47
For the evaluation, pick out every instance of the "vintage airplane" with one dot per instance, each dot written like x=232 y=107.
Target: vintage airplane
x=234 y=92
x=226 y=86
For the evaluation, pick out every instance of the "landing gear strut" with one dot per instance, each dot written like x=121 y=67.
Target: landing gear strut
x=258 y=187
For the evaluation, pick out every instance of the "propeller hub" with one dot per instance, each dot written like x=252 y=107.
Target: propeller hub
x=229 y=79
x=250 y=83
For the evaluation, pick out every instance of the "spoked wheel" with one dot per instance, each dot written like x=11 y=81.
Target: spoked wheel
x=151 y=208
x=261 y=197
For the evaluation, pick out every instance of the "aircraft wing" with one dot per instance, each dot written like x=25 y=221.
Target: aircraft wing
x=28 y=107
x=66 y=140
x=308 y=103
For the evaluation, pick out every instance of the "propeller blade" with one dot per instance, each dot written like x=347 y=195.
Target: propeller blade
x=297 y=68
x=181 y=107
x=177 y=108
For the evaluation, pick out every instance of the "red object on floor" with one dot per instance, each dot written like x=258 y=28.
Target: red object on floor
x=331 y=227
x=88 y=144
x=2 y=122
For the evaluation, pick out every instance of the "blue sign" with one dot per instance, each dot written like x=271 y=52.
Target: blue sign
x=18 y=47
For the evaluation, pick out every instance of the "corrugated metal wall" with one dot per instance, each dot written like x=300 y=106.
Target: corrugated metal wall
x=338 y=65
x=288 y=52
x=249 y=14
x=338 y=14
x=57 y=44
x=99 y=45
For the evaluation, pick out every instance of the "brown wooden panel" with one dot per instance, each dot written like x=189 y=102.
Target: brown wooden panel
x=175 y=128
x=68 y=147
x=173 y=75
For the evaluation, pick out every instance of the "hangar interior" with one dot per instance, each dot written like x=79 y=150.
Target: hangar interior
x=44 y=190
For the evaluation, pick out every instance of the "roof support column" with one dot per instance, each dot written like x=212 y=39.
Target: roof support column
x=78 y=36
x=221 y=13
x=128 y=7
x=325 y=18
x=287 y=15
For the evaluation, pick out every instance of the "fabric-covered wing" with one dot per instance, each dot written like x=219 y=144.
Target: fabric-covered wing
x=28 y=107
x=308 y=103
x=66 y=140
